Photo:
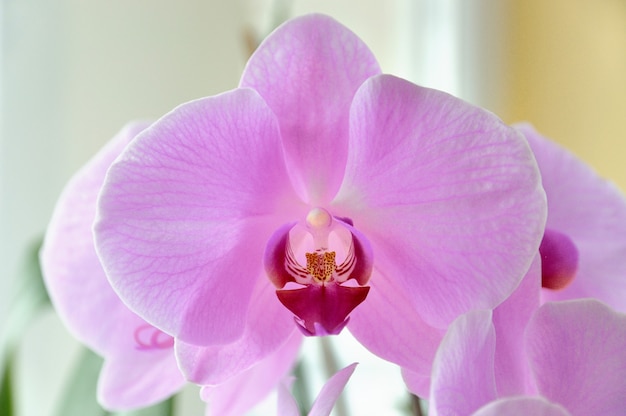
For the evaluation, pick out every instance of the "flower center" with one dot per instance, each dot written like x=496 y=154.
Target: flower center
x=321 y=266
x=326 y=263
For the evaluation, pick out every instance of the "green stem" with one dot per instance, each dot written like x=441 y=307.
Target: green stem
x=331 y=366
x=416 y=405
x=300 y=387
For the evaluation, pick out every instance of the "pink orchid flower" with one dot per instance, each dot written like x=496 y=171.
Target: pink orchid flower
x=584 y=245
x=139 y=364
x=564 y=358
x=325 y=401
x=140 y=367
x=320 y=192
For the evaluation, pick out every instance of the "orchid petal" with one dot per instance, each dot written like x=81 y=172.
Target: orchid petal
x=268 y=326
x=584 y=343
x=510 y=319
x=388 y=325
x=326 y=399
x=308 y=71
x=86 y=303
x=521 y=406
x=287 y=404
x=71 y=269
x=463 y=376
x=241 y=393
x=591 y=211
x=453 y=196
x=141 y=368
x=331 y=391
x=274 y=257
x=138 y=379
x=186 y=211
x=417 y=383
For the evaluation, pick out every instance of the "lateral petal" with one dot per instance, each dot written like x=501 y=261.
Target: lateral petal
x=447 y=190
x=185 y=213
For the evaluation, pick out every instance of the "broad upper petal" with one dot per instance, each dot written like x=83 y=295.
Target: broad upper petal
x=463 y=376
x=591 y=211
x=577 y=352
x=185 y=213
x=446 y=190
x=307 y=71
x=268 y=325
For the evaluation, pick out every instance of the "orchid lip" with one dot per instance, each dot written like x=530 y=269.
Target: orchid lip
x=319 y=255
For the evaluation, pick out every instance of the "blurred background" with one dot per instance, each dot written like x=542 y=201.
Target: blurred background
x=73 y=72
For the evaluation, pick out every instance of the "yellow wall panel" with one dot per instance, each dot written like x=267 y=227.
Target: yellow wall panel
x=567 y=75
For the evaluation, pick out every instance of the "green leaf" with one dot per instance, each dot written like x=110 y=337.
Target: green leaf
x=6 y=388
x=165 y=408
x=300 y=387
x=31 y=298
x=79 y=397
